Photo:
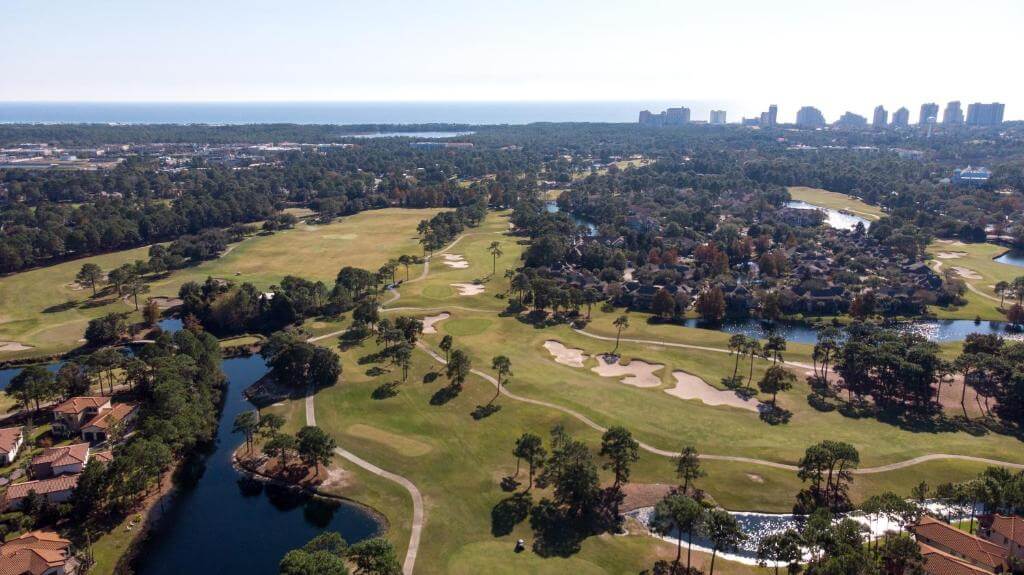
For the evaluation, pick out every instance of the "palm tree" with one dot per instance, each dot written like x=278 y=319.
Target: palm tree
x=1001 y=288
x=621 y=323
x=503 y=366
x=495 y=249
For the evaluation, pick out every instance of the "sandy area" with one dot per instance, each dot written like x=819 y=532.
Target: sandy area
x=469 y=289
x=166 y=302
x=571 y=356
x=637 y=373
x=13 y=346
x=951 y=242
x=950 y=255
x=690 y=386
x=75 y=286
x=967 y=274
x=755 y=478
x=430 y=320
x=455 y=261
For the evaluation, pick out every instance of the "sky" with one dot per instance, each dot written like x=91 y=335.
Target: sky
x=837 y=55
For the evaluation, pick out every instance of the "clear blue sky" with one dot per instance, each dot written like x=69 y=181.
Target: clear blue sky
x=837 y=55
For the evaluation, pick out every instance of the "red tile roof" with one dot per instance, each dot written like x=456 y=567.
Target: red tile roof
x=33 y=553
x=940 y=563
x=41 y=487
x=80 y=404
x=962 y=543
x=104 y=456
x=1011 y=527
x=106 y=419
x=64 y=455
x=9 y=437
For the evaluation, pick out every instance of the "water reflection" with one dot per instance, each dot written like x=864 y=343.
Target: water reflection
x=834 y=218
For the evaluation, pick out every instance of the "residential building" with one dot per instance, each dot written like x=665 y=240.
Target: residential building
x=99 y=428
x=1005 y=530
x=62 y=460
x=901 y=118
x=880 y=118
x=11 y=440
x=979 y=114
x=851 y=120
x=770 y=118
x=68 y=417
x=670 y=117
x=37 y=553
x=810 y=117
x=963 y=546
x=717 y=117
x=937 y=562
x=953 y=115
x=54 y=490
x=929 y=113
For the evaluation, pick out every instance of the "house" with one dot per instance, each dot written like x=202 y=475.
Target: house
x=55 y=490
x=963 y=546
x=11 y=440
x=939 y=563
x=69 y=416
x=1004 y=530
x=37 y=553
x=62 y=460
x=98 y=429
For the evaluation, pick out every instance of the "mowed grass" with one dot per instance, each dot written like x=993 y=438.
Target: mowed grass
x=836 y=201
x=40 y=308
x=980 y=259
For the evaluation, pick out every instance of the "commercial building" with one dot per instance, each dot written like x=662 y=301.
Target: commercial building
x=770 y=118
x=979 y=114
x=953 y=115
x=810 y=117
x=851 y=120
x=901 y=118
x=880 y=118
x=929 y=113
x=670 y=117
x=717 y=117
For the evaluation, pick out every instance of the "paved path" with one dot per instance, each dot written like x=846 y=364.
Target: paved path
x=711 y=457
x=417 y=498
x=937 y=267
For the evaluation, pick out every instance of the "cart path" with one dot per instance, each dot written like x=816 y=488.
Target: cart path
x=417 y=497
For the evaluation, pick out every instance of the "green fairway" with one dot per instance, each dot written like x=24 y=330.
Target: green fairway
x=975 y=264
x=43 y=309
x=836 y=201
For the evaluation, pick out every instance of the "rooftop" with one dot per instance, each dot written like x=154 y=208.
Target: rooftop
x=77 y=405
x=9 y=437
x=974 y=548
x=65 y=455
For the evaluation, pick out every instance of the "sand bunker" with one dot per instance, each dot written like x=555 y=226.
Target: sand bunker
x=13 y=346
x=637 y=373
x=468 y=289
x=430 y=320
x=950 y=255
x=967 y=274
x=690 y=386
x=755 y=478
x=455 y=261
x=951 y=242
x=573 y=357
x=166 y=302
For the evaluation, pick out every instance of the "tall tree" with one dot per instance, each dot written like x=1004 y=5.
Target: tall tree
x=90 y=274
x=246 y=423
x=776 y=379
x=688 y=467
x=724 y=532
x=458 y=368
x=530 y=447
x=495 y=251
x=620 y=323
x=677 y=512
x=315 y=447
x=501 y=365
x=618 y=445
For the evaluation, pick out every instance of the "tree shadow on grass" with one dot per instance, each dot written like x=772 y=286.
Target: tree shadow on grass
x=430 y=376
x=445 y=394
x=483 y=411
x=386 y=390
x=68 y=305
x=510 y=512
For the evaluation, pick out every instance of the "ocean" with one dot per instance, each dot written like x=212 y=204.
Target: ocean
x=479 y=113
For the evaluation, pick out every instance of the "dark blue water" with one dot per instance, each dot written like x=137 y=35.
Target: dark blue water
x=799 y=332
x=222 y=526
x=335 y=112
x=1013 y=258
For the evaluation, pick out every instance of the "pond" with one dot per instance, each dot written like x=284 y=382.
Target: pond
x=834 y=218
x=552 y=207
x=800 y=332
x=1013 y=258
x=226 y=524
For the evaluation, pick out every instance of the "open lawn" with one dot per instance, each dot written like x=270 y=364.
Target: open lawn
x=836 y=201
x=978 y=268
x=43 y=308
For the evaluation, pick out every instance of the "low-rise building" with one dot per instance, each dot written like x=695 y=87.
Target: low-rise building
x=62 y=460
x=54 y=490
x=937 y=562
x=963 y=546
x=69 y=416
x=1005 y=530
x=11 y=440
x=37 y=553
x=99 y=428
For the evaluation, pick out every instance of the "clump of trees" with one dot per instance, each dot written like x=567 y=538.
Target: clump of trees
x=329 y=554
x=298 y=364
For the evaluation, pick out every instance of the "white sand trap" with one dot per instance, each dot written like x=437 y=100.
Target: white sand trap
x=967 y=274
x=13 y=346
x=571 y=356
x=430 y=320
x=950 y=255
x=468 y=289
x=637 y=373
x=951 y=242
x=690 y=386
x=455 y=261
x=755 y=478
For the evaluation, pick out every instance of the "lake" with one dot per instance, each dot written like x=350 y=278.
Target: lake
x=1013 y=258
x=800 y=332
x=552 y=208
x=226 y=524
x=834 y=218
